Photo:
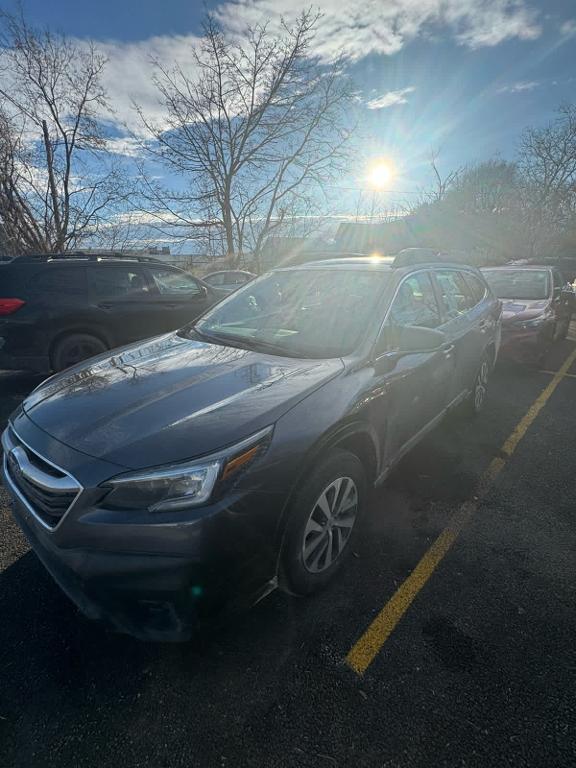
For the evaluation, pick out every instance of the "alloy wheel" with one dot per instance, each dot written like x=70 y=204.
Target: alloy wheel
x=330 y=524
x=79 y=351
x=481 y=386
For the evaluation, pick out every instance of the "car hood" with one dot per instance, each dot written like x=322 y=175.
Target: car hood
x=171 y=399
x=523 y=309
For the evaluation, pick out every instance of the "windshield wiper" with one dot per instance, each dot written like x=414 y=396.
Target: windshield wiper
x=218 y=338
x=243 y=342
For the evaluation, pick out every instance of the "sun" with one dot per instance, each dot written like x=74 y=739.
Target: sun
x=381 y=174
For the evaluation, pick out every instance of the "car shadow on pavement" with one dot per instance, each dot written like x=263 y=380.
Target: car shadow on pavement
x=47 y=644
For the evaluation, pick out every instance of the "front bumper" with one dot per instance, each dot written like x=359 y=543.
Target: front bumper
x=524 y=345
x=156 y=581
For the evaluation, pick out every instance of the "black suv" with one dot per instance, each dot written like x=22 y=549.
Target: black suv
x=187 y=471
x=58 y=310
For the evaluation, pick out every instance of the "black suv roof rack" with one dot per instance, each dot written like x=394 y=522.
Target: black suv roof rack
x=412 y=256
x=82 y=255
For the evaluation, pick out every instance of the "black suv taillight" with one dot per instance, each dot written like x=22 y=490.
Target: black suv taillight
x=9 y=306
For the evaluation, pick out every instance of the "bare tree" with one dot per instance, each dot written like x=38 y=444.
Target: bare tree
x=489 y=187
x=19 y=228
x=59 y=183
x=548 y=164
x=442 y=184
x=255 y=130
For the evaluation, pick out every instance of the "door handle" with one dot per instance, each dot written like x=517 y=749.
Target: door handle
x=106 y=305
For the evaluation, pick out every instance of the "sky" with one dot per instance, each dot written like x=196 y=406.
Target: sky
x=461 y=78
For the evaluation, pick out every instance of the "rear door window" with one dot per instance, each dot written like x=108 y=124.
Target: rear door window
x=456 y=297
x=117 y=282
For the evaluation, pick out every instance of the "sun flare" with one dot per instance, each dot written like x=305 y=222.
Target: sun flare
x=381 y=174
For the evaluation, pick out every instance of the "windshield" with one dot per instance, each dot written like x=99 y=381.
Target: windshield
x=302 y=313
x=525 y=284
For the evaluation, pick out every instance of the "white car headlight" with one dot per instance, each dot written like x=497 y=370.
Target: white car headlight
x=534 y=322
x=179 y=486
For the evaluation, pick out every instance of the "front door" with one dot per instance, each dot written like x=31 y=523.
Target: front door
x=416 y=384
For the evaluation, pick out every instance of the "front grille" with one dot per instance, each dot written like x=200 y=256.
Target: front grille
x=48 y=491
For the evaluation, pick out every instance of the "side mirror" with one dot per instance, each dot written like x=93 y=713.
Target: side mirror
x=408 y=339
x=416 y=339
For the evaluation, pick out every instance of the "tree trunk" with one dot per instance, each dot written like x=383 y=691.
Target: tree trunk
x=58 y=244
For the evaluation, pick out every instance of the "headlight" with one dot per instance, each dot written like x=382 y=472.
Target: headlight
x=179 y=486
x=534 y=322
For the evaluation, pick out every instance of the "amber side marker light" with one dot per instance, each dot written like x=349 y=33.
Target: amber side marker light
x=238 y=461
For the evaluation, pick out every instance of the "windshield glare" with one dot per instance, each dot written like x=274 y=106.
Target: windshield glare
x=309 y=313
x=526 y=284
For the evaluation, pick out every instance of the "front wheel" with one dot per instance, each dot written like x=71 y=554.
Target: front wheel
x=477 y=397
x=562 y=330
x=324 y=519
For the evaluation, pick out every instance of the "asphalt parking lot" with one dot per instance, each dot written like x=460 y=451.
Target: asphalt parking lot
x=478 y=667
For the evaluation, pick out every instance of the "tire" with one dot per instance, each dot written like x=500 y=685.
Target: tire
x=475 y=402
x=74 y=348
x=324 y=518
x=562 y=331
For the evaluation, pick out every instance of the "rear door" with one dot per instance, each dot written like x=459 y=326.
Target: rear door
x=467 y=323
x=121 y=298
x=59 y=294
x=417 y=384
x=178 y=298
x=54 y=298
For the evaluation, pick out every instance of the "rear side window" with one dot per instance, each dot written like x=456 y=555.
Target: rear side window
x=64 y=281
x=456 y=297
x=117 y=282
x=415 y=303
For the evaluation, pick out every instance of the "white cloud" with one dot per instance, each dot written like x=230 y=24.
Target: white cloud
x=568 y=29
x=353 y=29
x=390 y=99
x=124 y=145
x=385 y=26
x=128 y=76
x=519 y=87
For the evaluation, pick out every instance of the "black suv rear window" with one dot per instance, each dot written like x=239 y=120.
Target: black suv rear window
x=70 y=281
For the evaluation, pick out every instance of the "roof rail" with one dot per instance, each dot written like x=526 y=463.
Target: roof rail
x=74 y=255
x=412 y=256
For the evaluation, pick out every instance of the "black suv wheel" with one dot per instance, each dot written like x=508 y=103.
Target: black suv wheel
x=75 y=348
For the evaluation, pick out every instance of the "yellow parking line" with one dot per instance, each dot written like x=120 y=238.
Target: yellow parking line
x=363 y=652
x=553 y=373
